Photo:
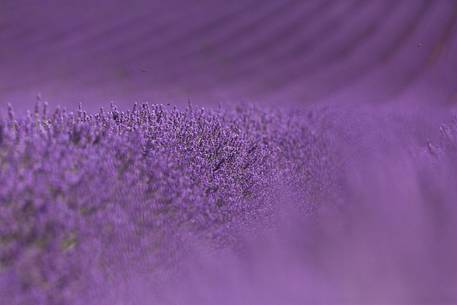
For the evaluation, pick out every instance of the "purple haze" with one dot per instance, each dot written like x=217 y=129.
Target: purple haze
x=322 y=170
x=266 y=51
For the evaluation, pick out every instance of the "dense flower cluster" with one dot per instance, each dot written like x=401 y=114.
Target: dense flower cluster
x=148 y=205
x=82 y=195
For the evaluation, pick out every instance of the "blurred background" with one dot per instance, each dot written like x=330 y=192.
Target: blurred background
x=211 y=51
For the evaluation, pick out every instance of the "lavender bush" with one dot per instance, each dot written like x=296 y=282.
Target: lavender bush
x=146 y=206
x=87 y=193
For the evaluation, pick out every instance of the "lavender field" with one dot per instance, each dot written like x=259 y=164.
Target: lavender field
x=228 y=153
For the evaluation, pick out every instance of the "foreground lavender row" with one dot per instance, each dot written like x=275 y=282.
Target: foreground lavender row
x=119 y=207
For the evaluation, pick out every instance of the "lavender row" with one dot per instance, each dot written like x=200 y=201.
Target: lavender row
x=84 y=194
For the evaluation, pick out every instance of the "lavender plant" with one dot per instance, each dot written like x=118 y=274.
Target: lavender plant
x=85 y=194
x=112 y=207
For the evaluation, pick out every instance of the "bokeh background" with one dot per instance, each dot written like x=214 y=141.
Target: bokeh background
x=211 y=51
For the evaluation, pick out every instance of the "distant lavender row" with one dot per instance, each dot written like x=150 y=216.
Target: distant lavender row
x=270 y=51
x=84 y=194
